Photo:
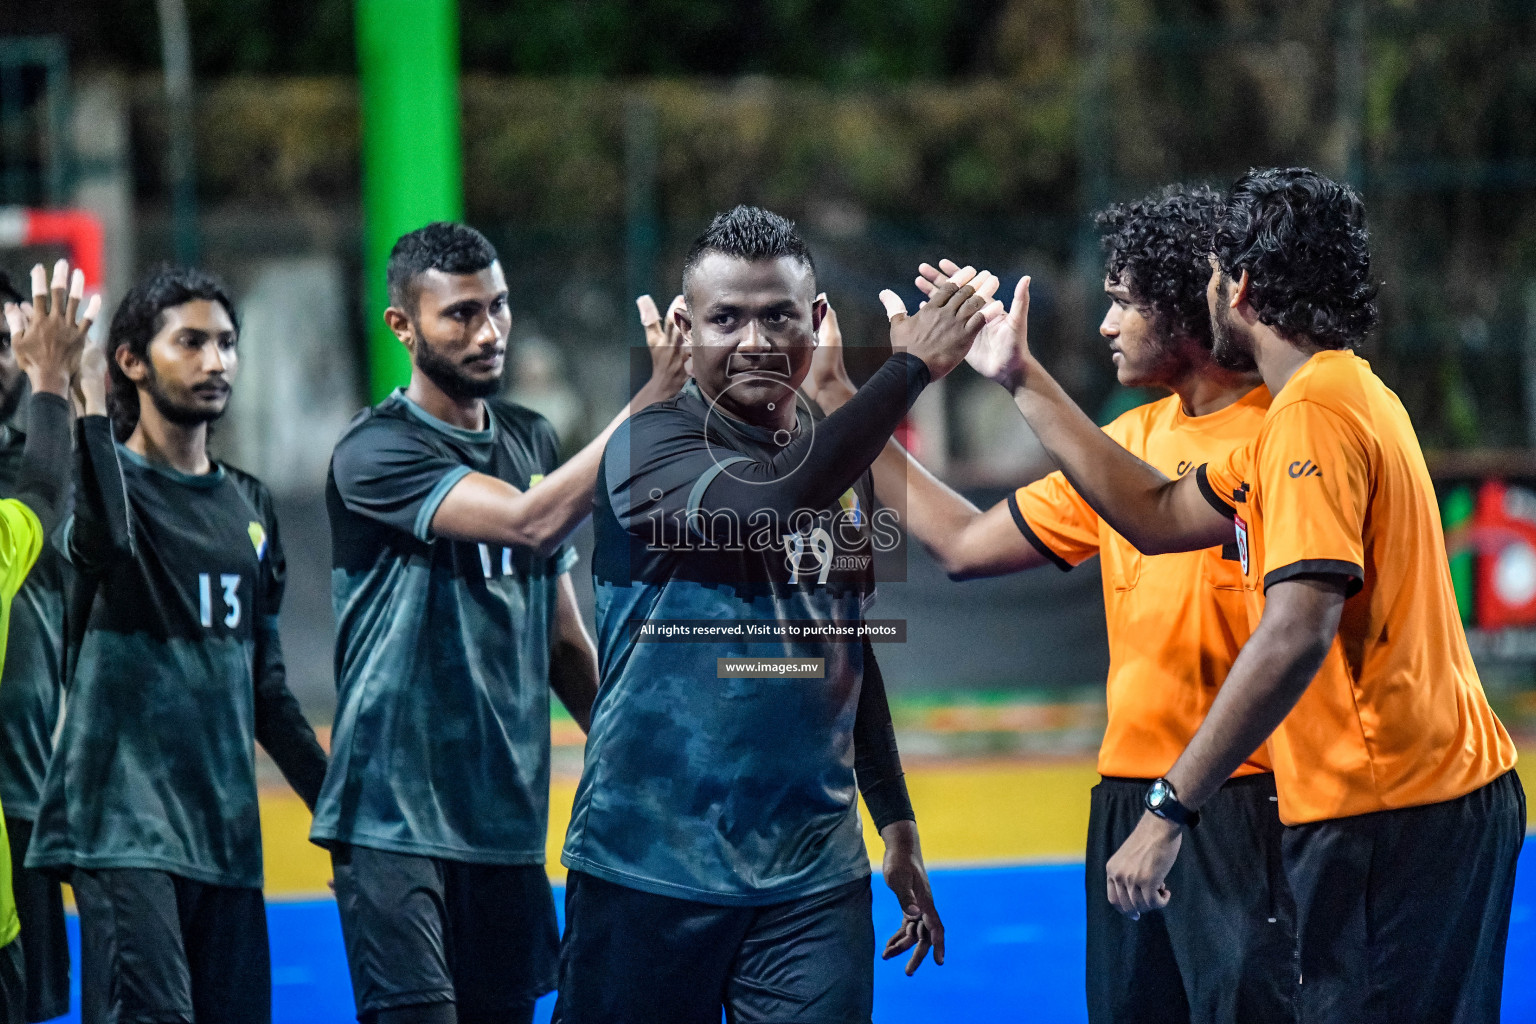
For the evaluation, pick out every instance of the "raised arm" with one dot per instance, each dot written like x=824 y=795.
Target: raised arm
x=1154 y=513
x=966 y=542
x=48 y=341
x=101 y=531
x=483 y=509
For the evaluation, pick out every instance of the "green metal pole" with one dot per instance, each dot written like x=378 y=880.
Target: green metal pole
x=408 y=70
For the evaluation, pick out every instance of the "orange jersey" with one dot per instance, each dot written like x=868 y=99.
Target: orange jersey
x=1175 y=621
x=1335 y=482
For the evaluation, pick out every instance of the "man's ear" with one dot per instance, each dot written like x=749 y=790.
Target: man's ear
x=400 y=325
x=1239 y=299
x=134 y=368
x=819 y=309
x=684 y=322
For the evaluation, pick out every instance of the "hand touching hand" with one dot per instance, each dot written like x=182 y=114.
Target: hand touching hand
x=943 y=328
x=49 y=342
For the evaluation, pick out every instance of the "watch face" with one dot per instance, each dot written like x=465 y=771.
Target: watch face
x=1157 y=794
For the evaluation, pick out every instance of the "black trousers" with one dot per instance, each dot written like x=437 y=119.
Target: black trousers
x=157 y=948
x=40 y=905
x=632 y=957
x=1223 y=950
x=1403 y=915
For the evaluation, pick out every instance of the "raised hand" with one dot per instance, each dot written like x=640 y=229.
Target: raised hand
x=828 y=383
x=1001 y=353
x=48 y=343
x=943 y=328
x=669 y=356
x=91 y=380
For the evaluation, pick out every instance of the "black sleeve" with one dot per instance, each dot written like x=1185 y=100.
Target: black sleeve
x=876 y=761
x=388 y=472
x=101 y=532
x=281 y=728
x=664 y=465
x=42 y=479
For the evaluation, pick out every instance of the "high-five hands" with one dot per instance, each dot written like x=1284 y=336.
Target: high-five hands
x=669 y=356
x=1001 y=352
x=943 y=328
x=48 y=339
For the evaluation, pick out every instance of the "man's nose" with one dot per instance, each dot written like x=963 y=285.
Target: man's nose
x=1110 y=326
x=214 y=360
x=754 y=339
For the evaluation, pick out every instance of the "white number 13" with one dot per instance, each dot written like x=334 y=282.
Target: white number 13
x=231 y=584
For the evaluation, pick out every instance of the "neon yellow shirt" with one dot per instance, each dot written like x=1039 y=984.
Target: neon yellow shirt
x=21 y=541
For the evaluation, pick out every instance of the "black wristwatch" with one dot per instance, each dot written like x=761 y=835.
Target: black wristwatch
x=1162 y=801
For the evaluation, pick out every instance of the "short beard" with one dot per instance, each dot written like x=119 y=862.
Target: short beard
x=168 y=407
x=1228 y=350
x=445 y=373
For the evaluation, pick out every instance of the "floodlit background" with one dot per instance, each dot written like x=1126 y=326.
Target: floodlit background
x=591 y=141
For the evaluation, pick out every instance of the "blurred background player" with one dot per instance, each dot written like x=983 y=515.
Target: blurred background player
x=455 y=617
x=1395 y=778
x=46 y=342
x=715 y=849
x=1175 y=625
x=30 y=692
x=176 y=670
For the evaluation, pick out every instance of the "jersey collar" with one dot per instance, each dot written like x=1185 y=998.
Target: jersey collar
x=422 y=416
x=205 y=480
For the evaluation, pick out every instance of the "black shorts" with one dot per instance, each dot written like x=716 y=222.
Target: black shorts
x=421 y=930
x=40 y=905
x=1403 y=915
x=156 y=947
x=632 y=957
x=13 y=983
x=1223 y=950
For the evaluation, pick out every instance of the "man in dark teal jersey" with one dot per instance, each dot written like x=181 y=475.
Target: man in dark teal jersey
x=30 y=692
x=715 y=848
x=175 y=671
x=47 y=342
x=455 y=617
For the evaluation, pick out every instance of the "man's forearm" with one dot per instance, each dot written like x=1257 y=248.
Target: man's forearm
x=573 y=677
x=42 y=480
x=1271 y=673
x=1133 y=497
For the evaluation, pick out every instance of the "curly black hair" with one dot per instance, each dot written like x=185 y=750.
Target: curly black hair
x=748 y=233
x=441 y=245
x=139 y=318
x=1302 y=238
x=1156 y=247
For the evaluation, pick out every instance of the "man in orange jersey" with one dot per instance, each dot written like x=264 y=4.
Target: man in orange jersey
x=1223 y=953
x=1405 y=817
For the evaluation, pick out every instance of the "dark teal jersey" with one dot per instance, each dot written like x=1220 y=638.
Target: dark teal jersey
x=32 y=683
x=441 y=741
x=723 y=790
x=175 y=675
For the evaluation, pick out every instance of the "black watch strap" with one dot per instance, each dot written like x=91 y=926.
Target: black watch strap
x=1162 y=801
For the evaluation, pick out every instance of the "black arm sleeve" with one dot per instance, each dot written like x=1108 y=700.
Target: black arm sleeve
x=876 y=761
x=820 y=464
x=103 y=531
x=42 y=479
x=281 y=727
